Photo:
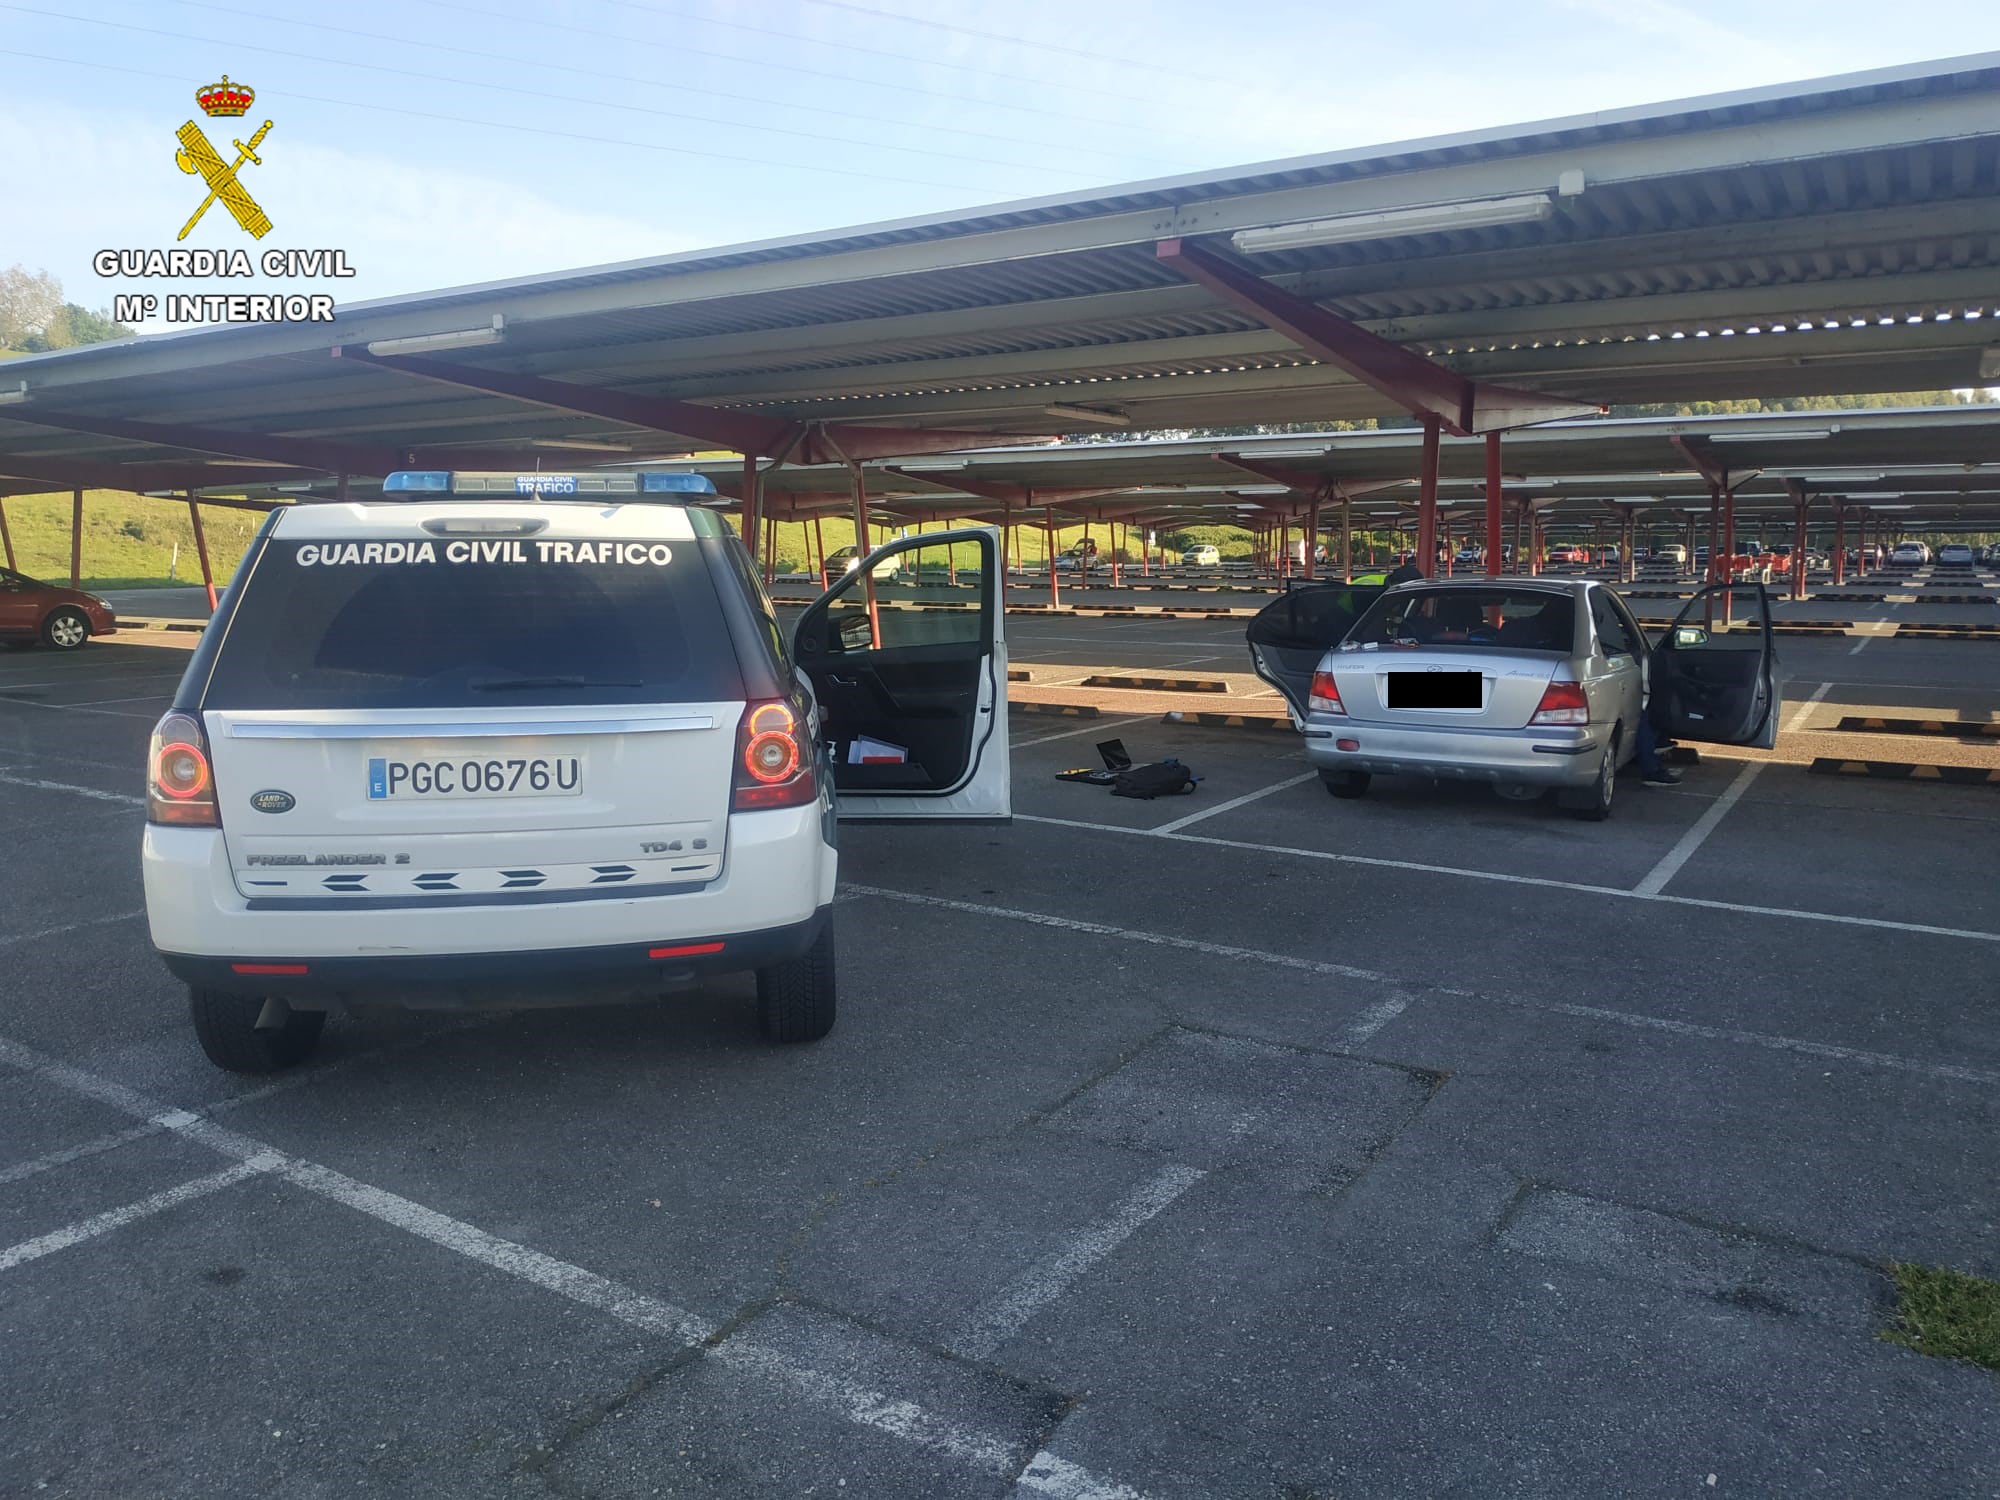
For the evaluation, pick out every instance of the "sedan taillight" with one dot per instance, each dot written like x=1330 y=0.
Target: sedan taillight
x=180 y=786
x=1325 y=695
x=1562 y=703
x=774 y=759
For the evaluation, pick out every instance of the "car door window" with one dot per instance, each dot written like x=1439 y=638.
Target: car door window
x=1614 y=637
x=931 y=598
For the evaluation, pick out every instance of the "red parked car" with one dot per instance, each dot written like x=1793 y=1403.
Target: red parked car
x=1568 y=554
x=63 y=618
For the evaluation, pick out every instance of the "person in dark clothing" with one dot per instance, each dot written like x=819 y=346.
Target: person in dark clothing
x=1407 y=573
x=1647 y=741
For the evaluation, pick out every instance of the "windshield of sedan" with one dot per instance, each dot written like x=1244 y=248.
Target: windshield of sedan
x=1497 y=618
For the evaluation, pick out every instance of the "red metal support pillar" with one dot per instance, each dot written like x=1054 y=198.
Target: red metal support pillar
x=861 y=542
x=1117 y=548
x=770 y=551
x=201 y=548
x=1312 y=536
x=340 y=488
x=1839 y=544
x=819 y=544
x=1802 y=505
x=1493 y=520
x=76 y=539
x=1427 y=500
x=6 y=536
x=1728 y=549
x=1347 y=537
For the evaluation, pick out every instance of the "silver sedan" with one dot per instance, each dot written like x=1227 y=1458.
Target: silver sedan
x=1526 y=684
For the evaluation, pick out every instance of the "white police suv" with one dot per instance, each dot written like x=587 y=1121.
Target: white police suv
x=505 y=740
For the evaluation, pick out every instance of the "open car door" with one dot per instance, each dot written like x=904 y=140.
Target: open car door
x=909 y=668
x=1289 y=635
x=1720 y=682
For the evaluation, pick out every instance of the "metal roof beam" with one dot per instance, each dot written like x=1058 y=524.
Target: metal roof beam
x=298 y=453
x=289 y=452
x=1420 y=386
x=72 y=474
x=744 y=432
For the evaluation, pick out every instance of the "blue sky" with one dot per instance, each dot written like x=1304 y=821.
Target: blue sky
x=441 y=142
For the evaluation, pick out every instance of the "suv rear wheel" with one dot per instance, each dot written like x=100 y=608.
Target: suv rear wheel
x=226 y=1026
x=795 y=998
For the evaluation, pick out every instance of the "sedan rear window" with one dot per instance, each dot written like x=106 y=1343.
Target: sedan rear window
x=367 y=624
x=1497 y=618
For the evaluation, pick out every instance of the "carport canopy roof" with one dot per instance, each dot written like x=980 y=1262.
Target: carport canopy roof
x=1828 y=237
x=1918 y=468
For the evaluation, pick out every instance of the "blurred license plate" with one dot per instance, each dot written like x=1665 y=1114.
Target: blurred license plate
x=1434 y=690
x=393 y=779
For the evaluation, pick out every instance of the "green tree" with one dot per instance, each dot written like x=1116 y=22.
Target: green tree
x=29 y=302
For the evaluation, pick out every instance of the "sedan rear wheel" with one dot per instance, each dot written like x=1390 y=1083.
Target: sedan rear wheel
x=1598 y=808
x=66 y=629
x=1345 y=784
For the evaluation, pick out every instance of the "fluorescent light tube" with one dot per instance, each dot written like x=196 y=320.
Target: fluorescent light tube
x=430 y=343
x=1774 y=435
x=1428 y=218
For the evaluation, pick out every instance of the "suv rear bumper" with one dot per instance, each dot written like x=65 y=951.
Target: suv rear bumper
x=503 y=981
x=777 y=881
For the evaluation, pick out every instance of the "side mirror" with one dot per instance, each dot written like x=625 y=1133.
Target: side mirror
x=1690 y=635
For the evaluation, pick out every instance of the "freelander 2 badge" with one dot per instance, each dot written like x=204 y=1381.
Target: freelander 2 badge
x=224 y=100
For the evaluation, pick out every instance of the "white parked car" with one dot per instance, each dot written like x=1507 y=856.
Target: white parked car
x=1673 y=552
x=1909 y=555
x=503 y=740
x=1202 y=556
x=1954 y=555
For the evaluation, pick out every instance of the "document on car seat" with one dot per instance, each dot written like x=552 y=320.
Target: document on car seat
x=863 y=751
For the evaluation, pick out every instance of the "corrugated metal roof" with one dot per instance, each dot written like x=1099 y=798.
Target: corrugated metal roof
x=1773 y=241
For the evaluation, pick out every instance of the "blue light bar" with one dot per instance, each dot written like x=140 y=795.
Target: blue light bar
x=467 y=484
x=676 y=484
x=418 y=482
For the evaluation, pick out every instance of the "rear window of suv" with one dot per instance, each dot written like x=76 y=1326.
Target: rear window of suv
x=357 y=624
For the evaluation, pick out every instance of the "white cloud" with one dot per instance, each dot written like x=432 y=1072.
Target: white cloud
x=110 y=183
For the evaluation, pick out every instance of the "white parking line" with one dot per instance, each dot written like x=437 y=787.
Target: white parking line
x=37 y=783
x=89 y=1229
x=1671 y=862
x=857 y=1403
x=1234 y=802
x=1373 y=1019
x=71 y=708
x=17 y=939
x=67 y=1154
x=1943 y=1071
x=999 y=1319
x=1685 y=847
x=1094 y=727
x=1126 y=934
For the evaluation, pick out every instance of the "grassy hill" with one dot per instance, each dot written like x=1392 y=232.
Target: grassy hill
x=128 y=540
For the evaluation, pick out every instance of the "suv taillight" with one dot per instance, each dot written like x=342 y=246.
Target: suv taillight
x=774 y=759
x=1562 y=703
x=180 y=786
x=1325 y=695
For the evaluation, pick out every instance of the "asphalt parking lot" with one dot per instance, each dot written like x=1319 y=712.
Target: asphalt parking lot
x=1246 y=1143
